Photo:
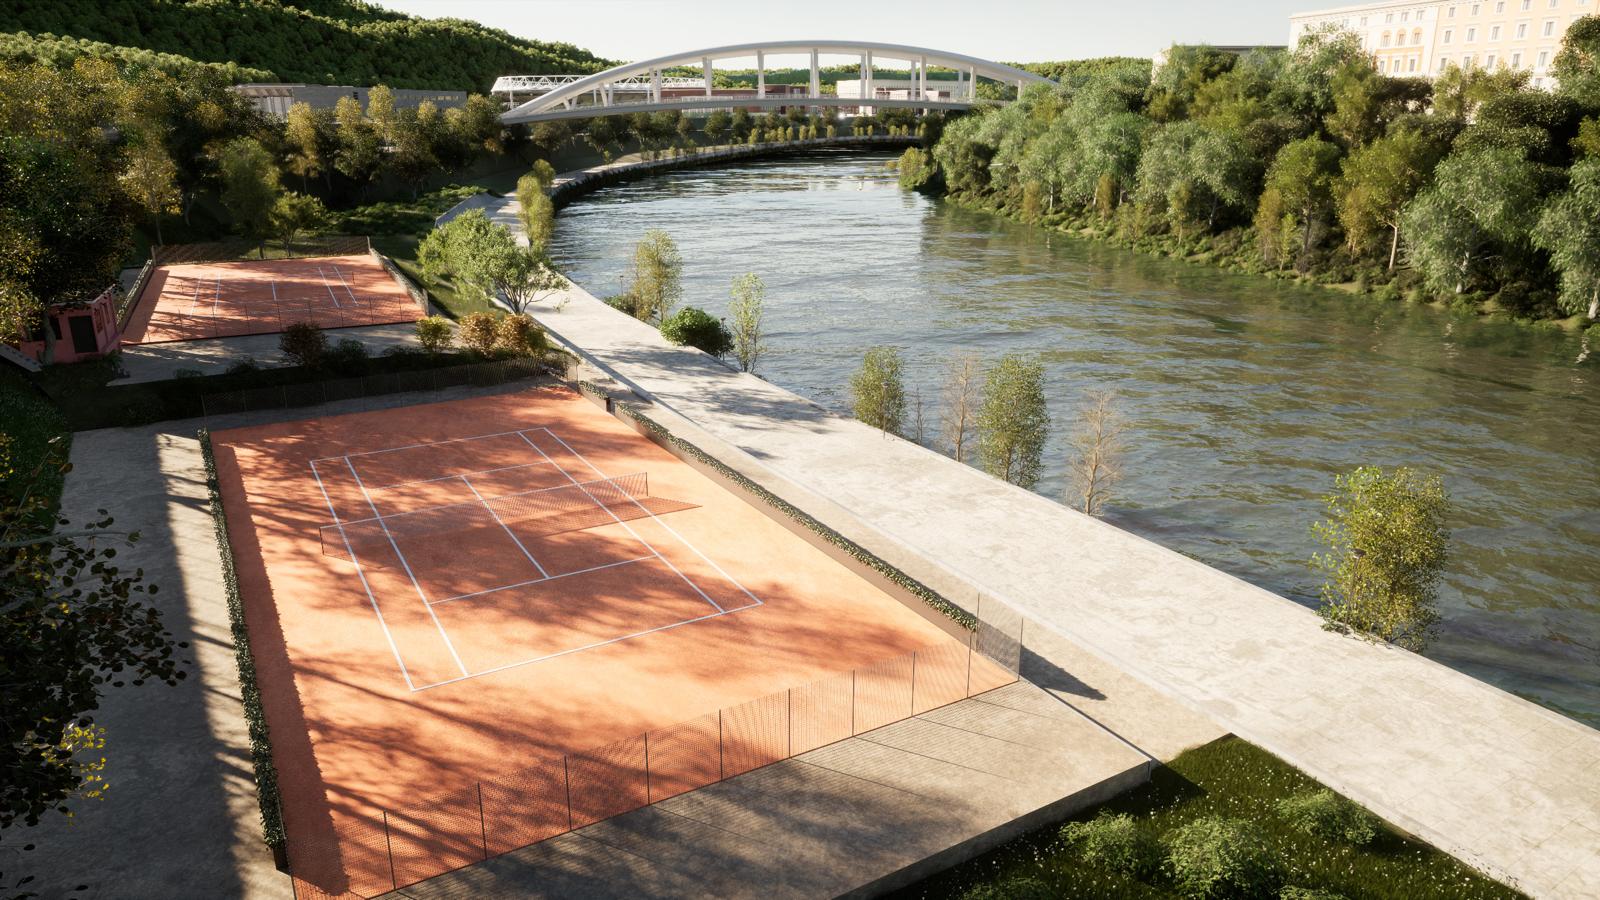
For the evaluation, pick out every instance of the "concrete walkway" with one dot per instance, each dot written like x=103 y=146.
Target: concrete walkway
x=180 y=818
x=860 y=817
x=159 y=362
x=1505 y=785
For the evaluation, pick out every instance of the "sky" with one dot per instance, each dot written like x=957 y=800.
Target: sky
x=1005 y=30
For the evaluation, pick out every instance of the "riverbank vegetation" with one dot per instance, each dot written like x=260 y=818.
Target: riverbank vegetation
x=1226 y=819
x=1474 y=190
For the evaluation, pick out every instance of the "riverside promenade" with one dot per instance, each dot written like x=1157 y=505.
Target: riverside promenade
x=1503 y=784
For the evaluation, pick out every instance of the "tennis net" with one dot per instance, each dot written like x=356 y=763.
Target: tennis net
x=569 y=507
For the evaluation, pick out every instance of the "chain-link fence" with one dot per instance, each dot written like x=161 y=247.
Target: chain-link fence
x=222 y=251
x=312 y=393
x=365 y=856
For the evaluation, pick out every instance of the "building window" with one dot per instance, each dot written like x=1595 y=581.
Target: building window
x=1400 y=39
x=1443 y=61
x=1416 y=36
x=1516 y=60
x=1363 y=21
x=1494 y=33
x=1500 y=7
x=1552 y=4
x=1472 y=34
x=1488 y=62
x=1522 y=29
x=1549 y=29
x=1451 y=14
x=1386 y=39
x=1388 y=18
x=1527 y=5
x=1447 y=33
x=1475 y=8
x=1405 y=17
x=1412 y=65
x=1544 y=56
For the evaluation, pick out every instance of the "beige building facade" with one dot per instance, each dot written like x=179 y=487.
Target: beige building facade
x=1422 y=39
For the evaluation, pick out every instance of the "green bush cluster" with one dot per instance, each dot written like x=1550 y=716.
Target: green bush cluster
x=1115 y=841
x=1329 y=816
x=1218 y=857
x=698 y=329
x=266 y=772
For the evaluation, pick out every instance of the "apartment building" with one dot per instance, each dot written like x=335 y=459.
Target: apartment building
x=1422 y=39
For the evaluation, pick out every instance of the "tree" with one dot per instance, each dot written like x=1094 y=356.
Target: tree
x=535 y=209
x=309 y=138
x=1577 y=65
x=295 y=214
x=1479 y=205
x=739 y=125
x=878 y=396
x=1014 y=421
x=1569 y=230
x=716 y=126
x=1095 y=459
x=73 y=624
x=434 y=334
x=963 y=379
x=381 y=113
x=413 y=137
x=1379 y=179
x=543 y=172
x=486 y=262
x=1302 y=175
x=747 y=310
x=249 y=186
x=657 y=275
x=1387 y=543
x=359 y=145
x=151 y=179
x=698 y=329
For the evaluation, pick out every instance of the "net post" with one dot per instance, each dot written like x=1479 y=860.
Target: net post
x=789 y=727
x=388 y=848
x=483 y=826
x=913 y=682
x=852 y=702
x=647 y=768
x=720 y=770
x=566 y=778
x=971 y=636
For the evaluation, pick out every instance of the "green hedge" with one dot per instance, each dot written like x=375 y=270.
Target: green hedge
x=249 y=692
x=857 y=552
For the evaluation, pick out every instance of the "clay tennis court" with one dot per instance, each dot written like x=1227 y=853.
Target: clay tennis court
x=225 y=299
x=469 y=617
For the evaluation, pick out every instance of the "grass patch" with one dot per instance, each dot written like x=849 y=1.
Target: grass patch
x=402 y=249
x=33 y=422
x=1227 y=779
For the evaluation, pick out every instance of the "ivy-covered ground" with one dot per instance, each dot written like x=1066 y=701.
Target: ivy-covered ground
x=1233 y=779
x=32 y=422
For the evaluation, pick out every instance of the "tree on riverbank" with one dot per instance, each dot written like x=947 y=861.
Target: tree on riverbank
x=657 y=283
x=1095 y=461
x=1014 y=421
x=747 y=309
x=1387 y=543
x=486 y=263
x=877 y=392
x=963 y=379
x=1304 y=164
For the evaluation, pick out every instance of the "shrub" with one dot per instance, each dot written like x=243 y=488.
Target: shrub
x=244 y=366
x=1021 y=887
x=698 y=329
x=478 y=332
x=521 y=335
x=304 y=344
x=1116 y=842
x=623 y=303
x=1300 y=893
x=1327 y=815
x=1217 y=857
x=433 y=333
x=348 y=356
x=187 y=373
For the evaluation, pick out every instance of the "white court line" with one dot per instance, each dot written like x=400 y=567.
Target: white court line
x=509 y=533
x=696 y=550
x=507 y=587
x=331 y=295
x=402 y=557
x=274 y=292
x=626 y=527
x=516 y=496
x=476 y=437
x=216 y=299
x=353 y=300
x=195 y=301
x=529 y=662
x=393 y=647
x=399 y=484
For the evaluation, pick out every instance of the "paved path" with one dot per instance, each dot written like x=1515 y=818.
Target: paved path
x=180 y=819
x=213 y=356
x=874 y=812
x=1502 y=783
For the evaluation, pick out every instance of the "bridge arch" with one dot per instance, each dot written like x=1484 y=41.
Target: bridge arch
x=561 y=101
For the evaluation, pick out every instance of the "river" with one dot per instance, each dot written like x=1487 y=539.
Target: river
x=1243 y=397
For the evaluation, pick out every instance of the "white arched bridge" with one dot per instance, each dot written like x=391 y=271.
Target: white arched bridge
x=644 y=86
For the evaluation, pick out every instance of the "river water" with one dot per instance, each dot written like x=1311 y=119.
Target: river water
x=1243 y=397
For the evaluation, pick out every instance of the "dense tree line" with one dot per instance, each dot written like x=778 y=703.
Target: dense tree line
x=317 y=41
x=1474 y=188
x=61 y=53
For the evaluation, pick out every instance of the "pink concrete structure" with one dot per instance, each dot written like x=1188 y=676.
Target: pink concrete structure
x=80 y=331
